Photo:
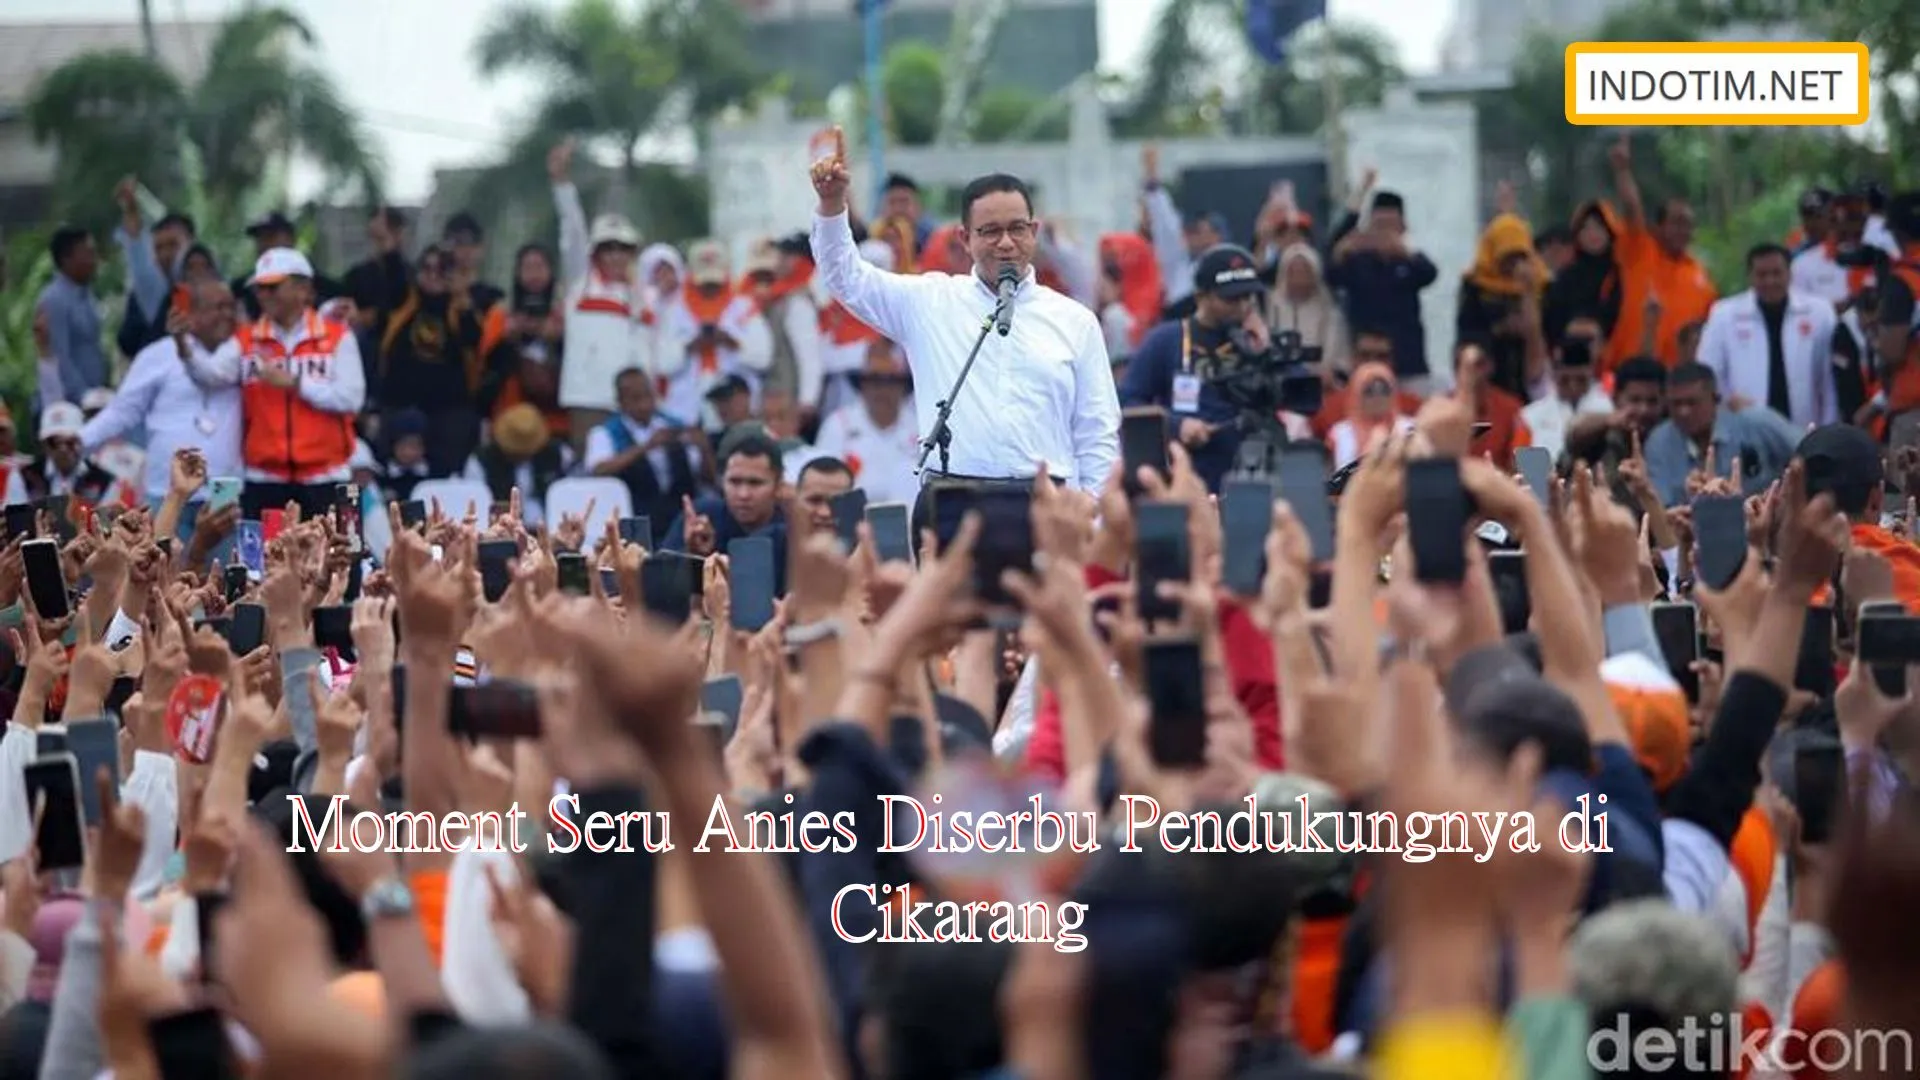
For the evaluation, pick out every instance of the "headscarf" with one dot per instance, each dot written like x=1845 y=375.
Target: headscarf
x=1363 y=425
x=543 y=297
x=938 y=256
x=650 y=260
x=899 y=234
x=1141 y=289
x=1505 y=236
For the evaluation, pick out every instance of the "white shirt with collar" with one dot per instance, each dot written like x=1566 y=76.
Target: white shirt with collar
x=1734 y=346
x=1549 y=417
x=600 y=446
x=179 y=413
x=882 y=458
x=532 y=508
x=1044 y=393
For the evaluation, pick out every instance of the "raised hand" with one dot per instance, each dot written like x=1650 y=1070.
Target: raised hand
x=831 y=179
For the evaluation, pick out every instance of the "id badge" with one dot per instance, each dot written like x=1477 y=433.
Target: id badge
x=1186 y=393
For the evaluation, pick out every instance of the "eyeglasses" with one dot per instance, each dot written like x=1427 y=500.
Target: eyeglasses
x=1018 y=231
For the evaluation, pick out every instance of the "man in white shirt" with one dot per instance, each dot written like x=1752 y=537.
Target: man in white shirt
x=875 y=433
x=178 y=411
x=1772 y=346
x=1040 y=397
x=1575 y=392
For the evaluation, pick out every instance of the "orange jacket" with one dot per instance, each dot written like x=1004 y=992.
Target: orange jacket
x=285 y=436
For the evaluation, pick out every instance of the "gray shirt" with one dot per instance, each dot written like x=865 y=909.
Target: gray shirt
x=1762 y=441
x=73 y=325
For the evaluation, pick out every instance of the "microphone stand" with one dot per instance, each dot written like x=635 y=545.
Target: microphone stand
x=941 y=437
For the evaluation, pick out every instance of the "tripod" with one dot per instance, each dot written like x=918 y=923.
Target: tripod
x=1259 y=455
x=941 y=437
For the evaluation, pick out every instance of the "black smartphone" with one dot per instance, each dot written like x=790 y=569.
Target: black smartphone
x=496 y=567
x=95 y=745
x=1576 y=352
x=346 y=513
x=219 y=624
x=1508 y=571
x=1246 y=517
x=59 y=510
x=1303 y=484
x=206 y=914
x=247 y=628
x=1302 y=395
x=413 y=514
x=1536 y=468
x=1888 y=644
x=720 y=701
x=497 y=709
x=1143 y=443
x=1677 y=628
x=53 y=783
x=1813 y=670
x=46 y=581
x=892 y=528
x=1006 y=542
x=333 y=629
x=1720 y=539
x=122 y=690
x=1177 y=732
x=1162 y=552
x=638 y=531
x=235 y=580
x=398 y=687
x=609 y=581
x=574 y=576
x=48 y=743
x=22 y=520
x=750 y=576
x=666 y=587
x=1819 y=777
x=849 y=509
x=1437 y=512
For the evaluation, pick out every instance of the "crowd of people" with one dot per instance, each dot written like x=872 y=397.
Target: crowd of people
x=184 y=573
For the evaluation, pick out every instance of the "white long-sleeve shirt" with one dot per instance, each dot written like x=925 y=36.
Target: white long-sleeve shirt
x=1042 y=394
x=179 y=414
x=1734 y=345
x=342 y=389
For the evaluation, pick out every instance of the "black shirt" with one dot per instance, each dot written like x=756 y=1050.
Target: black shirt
x=1774 y=316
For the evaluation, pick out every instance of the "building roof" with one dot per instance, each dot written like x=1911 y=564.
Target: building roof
x=28 y=50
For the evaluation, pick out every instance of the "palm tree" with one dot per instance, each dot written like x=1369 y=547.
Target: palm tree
x=614 y=79
x=262 y=99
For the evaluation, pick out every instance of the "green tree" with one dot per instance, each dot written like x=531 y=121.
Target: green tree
x=1011 y=114
x=263 y=99
x=913 y=80
x=613 y=78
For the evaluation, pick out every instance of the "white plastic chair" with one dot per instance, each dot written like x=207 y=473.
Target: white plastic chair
x=570 y=495
x=456 y=497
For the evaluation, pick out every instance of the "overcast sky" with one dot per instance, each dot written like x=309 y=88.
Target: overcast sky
x=407 y=64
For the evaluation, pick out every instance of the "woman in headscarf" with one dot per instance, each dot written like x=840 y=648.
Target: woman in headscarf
x=1302 y=303
x=1589 y=285
x=1127 y=258
x=1372 y=413
x=523 y=367
x=945 y=252
x=1500 y=303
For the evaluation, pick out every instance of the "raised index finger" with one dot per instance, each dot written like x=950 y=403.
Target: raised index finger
x=839 y=145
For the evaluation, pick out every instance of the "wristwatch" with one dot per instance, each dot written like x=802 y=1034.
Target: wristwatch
x=390 y=898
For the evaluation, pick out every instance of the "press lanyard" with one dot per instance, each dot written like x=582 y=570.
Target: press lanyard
x=1186 y=346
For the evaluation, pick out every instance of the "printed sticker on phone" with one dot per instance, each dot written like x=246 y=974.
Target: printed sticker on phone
x=193 y=718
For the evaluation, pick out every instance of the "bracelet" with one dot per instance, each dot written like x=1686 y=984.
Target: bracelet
x=1394 y=650
x=797 y=637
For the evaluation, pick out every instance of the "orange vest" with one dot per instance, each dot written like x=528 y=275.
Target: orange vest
x=285 y=436
x=707 y=310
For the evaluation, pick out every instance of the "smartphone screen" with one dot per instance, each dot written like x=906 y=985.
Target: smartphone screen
x=1246 y=516
x=59 y=510
x=46 y=581
x=849 y=509
x=206 y=912
x=666 y=587
x=235 y=580
x=637 y=530
x=398 y=687
x=346 y=513
x=1437 y=513
x=21 y=521
x=1177 y=732
x=1143 y=442
x=720 y=701
x=413 y=514
x=95 y=745
x=248 y=629
x=1006 y=542
x=333 y=628
x=61 y=841
x=1720 y=539
x=222 y=492
x=1677 y=627
x=574 y=574
x=1536 y=468
x=892 y=529
x=496 y=567
x=1818 y=775
x=501 y=708
x=1303 y=484
x=1813 y=671
x=1508 y=569
x=1162 y=552
x=1888 y=643
x=750 y=573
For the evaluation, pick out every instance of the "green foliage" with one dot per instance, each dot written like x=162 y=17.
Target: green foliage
x=913 y=81
x=1011 y=114
x=29 y=268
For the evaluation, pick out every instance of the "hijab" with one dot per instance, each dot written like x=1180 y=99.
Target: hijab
x=1505 y=236
x=1141 y=288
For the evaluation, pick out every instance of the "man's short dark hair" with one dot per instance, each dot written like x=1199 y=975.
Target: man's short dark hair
x=1372 y=332
x=754 y=445
x=395 y=218
x=66 y=240
x=1640 y=369
x=902 y=182
x=1691 y=374
x=826 y=466
x=177 y=220
x=1389 y=200
x=1665 y=208
x=620 y=377
x=1764 y=249
x=1558 y=234
x=464 y=224
x=992 y=184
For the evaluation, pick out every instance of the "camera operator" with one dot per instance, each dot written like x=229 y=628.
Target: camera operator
x=1171 y=367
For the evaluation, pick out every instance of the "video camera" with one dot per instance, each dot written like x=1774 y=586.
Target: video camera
x=1262 y=385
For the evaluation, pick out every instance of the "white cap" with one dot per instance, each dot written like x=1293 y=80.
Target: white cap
x=278 y=264
x=613 y=229
x=707 y=263
x=878 y=253
x=96 y=399
x=62 y=418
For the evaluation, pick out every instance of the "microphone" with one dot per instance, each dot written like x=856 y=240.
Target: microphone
x=1009 y=283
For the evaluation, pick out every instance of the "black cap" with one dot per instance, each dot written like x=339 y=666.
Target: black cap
x=727 y=387
x=272 y=221
x=1228 y=272
x=795 y=244
x=901 y=180
x=1840 y=455
x=1389 y=200
x=1814 y=200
